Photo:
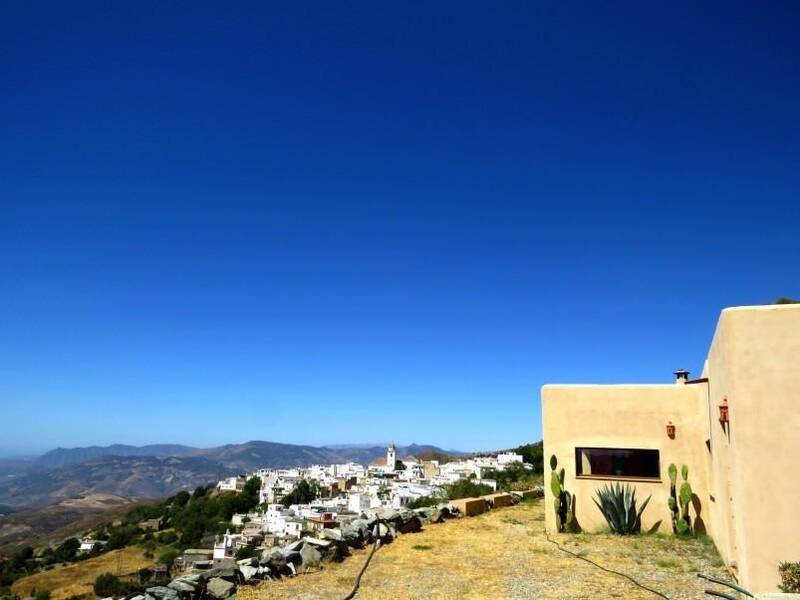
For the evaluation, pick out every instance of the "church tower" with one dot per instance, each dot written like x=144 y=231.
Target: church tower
x=391 y=457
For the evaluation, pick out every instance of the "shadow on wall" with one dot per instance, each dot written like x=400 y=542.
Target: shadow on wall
x=699 y=524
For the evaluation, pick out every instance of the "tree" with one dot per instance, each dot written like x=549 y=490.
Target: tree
x=167 y=557
x=167 y=537
x=303 y=493
x=786 y=300
x=532 y=455
x=107 y=585
x=67 y=550
x=145 y=575
x=181 y=498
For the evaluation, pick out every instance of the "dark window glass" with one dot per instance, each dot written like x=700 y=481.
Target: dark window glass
x=617 y=462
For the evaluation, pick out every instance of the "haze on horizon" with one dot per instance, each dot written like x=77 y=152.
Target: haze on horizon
x=322 y=224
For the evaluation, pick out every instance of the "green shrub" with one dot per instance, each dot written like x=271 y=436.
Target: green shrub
x=167 y=537
x=790 y=577
x=168 y=556
x=246 y=552
x=42 y=595
x=107 y=585
x=423 y=501
x=466 y=489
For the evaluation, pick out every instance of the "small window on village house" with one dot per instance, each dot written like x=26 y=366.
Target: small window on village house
x=617 y=462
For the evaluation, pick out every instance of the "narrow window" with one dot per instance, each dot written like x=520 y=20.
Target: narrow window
x=617 y=462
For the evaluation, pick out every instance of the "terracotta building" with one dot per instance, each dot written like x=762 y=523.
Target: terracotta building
x=736 y=427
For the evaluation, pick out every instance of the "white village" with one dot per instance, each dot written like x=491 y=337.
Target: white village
x=343 y=493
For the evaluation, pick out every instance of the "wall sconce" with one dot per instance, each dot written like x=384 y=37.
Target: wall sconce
x=723 y=411
x=670 y=430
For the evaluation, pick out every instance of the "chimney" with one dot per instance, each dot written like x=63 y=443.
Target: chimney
x=681 y=376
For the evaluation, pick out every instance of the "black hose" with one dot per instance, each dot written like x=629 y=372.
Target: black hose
x=375 y=546
x=602 y=568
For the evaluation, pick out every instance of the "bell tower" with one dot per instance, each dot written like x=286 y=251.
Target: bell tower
x=391 y=457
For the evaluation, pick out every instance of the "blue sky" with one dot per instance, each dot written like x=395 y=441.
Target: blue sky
x=325 y=223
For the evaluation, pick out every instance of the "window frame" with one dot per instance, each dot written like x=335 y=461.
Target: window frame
x=643 y=478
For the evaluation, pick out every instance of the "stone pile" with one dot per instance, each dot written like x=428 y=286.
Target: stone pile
x=332 y=545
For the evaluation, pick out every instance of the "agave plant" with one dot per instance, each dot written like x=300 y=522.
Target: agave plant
x=617 y=502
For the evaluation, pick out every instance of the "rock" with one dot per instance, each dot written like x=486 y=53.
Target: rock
x=388 y=514
x=336 y=552
x=225 y=572
x=248 y=572
x=317 y=542
x=334 y=534
x=295 y=546
x=383 y=532
x=181 y=585
x=408 y=522
x=426 y=514
x=219 y=588
x=273 y=558
x=311 y=556
x=293 y=558
x=162 y=592
x=450 y=512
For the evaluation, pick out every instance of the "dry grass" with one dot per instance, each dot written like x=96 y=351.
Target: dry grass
x=504 y=554
x=78 y=578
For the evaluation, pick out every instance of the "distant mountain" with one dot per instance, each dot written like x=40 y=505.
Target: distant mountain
x=164 y=469
x=256 y=454
x=128 y=476
x=68 y=456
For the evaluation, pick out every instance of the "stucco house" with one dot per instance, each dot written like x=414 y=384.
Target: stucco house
x=736 y=428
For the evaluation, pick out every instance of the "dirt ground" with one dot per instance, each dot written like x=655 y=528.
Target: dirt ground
x=504 y=554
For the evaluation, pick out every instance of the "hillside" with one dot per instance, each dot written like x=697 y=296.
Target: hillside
x=77 y=579
x=53 y=523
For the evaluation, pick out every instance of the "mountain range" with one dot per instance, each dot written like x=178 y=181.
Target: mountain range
x=160 y=470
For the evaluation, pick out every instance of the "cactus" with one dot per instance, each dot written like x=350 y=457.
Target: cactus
x=563 y=501
x=672 y=502
x=679 y=501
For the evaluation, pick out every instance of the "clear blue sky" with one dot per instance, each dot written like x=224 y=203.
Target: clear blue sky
x=328 y=222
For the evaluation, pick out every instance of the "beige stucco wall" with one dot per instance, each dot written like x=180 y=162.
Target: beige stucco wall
x=754 y=361
x=745 y=474
x=625 y=416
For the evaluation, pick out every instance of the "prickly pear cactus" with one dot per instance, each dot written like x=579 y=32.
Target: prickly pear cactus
x=563 y=501
x=679 y=501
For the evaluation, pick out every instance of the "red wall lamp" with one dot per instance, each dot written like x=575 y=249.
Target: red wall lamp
x=723 y=410
x=670 y=430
